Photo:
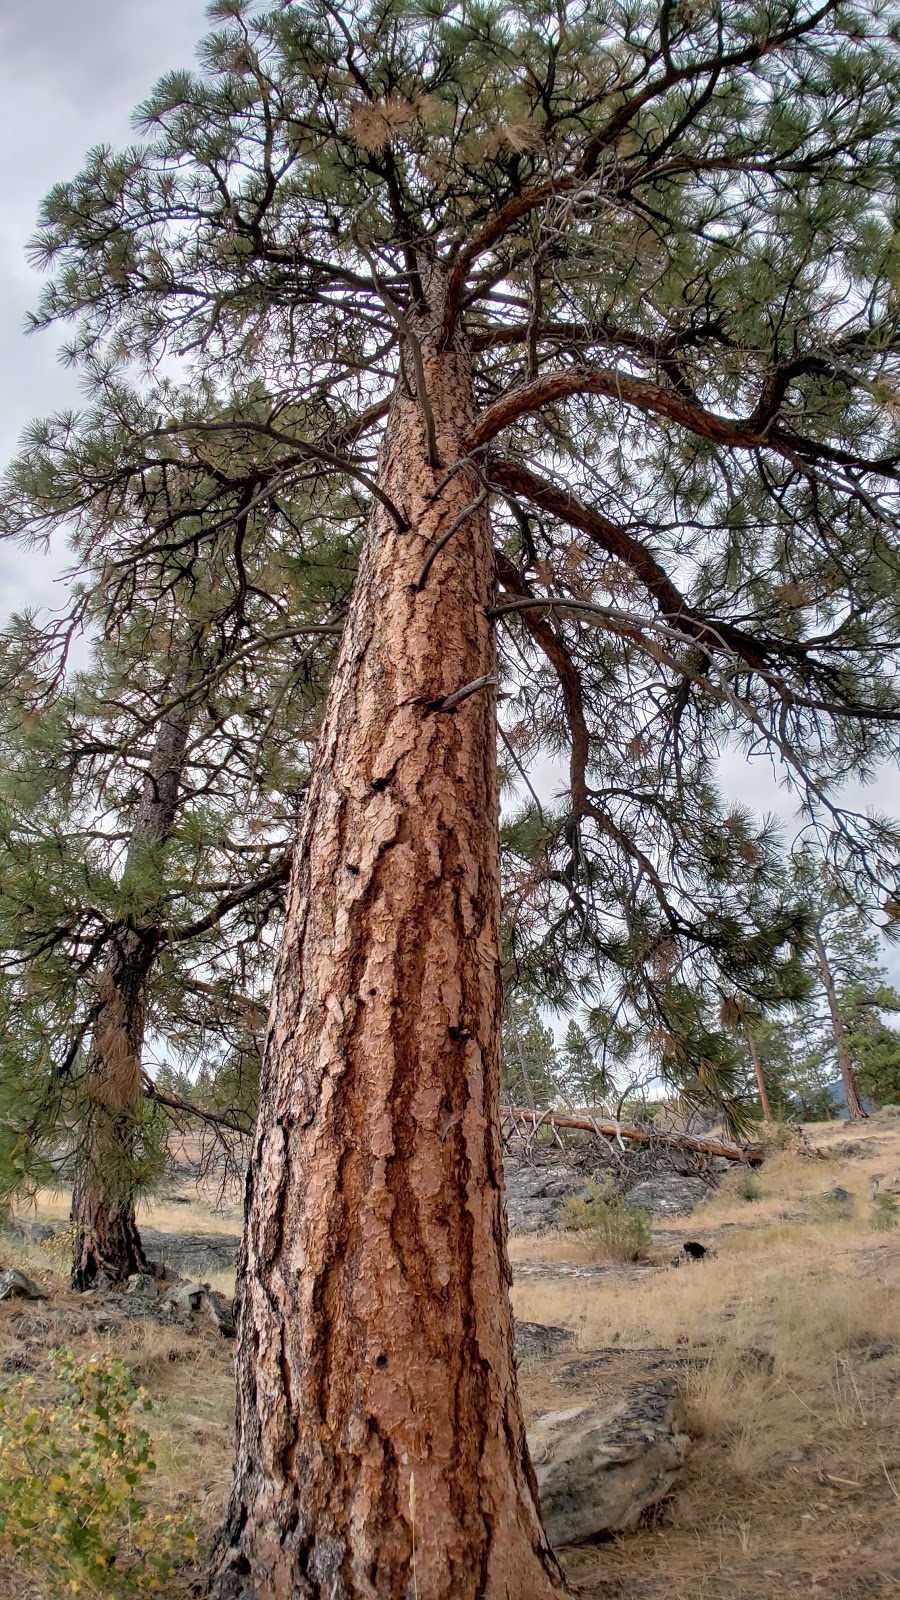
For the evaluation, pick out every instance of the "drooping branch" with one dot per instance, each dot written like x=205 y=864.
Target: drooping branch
x=583 y=803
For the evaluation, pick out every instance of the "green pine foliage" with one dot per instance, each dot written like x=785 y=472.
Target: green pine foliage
x=190 y=611
x=587 y=1078
x=528 y=1055
x=866 y=999
x=669 y=235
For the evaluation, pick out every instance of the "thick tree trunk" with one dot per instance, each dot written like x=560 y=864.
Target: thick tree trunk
x=381 y=1452
x=107 y=1245
x=760 y=1080
x=855 y=1111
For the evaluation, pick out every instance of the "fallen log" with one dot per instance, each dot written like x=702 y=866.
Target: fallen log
x=751 y=1154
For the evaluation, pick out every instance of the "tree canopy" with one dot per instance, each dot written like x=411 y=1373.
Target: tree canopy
x=669 y=233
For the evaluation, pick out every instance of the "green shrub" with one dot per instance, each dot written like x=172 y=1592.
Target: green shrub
x=73 y=1481
x=885 y=1213
x=610 y=1227
x=748 y=1188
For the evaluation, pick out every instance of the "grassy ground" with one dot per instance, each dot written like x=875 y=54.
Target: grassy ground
x=788 y=1344
x=793 y=1485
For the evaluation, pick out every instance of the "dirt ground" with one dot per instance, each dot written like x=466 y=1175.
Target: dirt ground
x=785 y=1341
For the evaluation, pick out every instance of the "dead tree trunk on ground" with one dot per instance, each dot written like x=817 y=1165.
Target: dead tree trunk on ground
x=752 y=1154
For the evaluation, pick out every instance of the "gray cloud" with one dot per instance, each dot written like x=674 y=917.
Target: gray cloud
x=71 y=73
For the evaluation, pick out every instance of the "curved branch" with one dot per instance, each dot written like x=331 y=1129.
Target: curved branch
x=561 y=503
x=750 y=433
x=229 y=902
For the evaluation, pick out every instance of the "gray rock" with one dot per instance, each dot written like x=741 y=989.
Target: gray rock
x=597 y=1470
x=19 y=1362
x=535 y=1194
x=668 y=1194
x=15 y=1285
x=840 y=1199
x=50 y=1323
x=26 y=1228
x=106 y=1321
x=849 y=1149
x=538 y=1341
x=220 y=1314
x=191 y=1254
x=576 y=1374
x=142 y=1286
x=877 y=1352
x=184 y=1297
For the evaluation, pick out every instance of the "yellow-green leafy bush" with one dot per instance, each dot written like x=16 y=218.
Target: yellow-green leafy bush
x=74 y=1474
x=609 y=1225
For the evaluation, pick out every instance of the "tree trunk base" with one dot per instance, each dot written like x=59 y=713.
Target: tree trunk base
x=107 y=1246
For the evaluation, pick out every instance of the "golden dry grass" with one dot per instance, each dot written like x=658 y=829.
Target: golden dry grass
x=791 y=1339
x=195 y=1216
x=792 y=1488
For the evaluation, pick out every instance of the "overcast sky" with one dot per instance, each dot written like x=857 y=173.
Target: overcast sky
x=71 y=73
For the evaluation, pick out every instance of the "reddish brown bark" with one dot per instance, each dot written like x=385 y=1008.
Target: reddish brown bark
x=107 y=1245
x=855 y=1109
x=381 y=1451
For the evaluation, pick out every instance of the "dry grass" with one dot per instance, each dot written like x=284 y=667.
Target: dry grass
x=194 y=1216
x=791 y=1335
x=797 y=1291
x=552 y=1247
x=792 y=1488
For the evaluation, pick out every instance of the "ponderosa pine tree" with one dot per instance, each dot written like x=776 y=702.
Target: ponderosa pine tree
x=598 y=302
x=527 y=1054
x=845 y=962
x=144 y=834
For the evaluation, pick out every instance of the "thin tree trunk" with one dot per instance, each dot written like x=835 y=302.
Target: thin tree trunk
x=760 y=1080
x=523 y=1067
x=381 y=1451
x=855 y=1111
x=107 y=1245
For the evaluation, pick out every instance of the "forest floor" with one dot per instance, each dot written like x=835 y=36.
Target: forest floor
x=786 y=1342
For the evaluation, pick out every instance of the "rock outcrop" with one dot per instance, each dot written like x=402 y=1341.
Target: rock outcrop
x=540 y=1341
x=668 y=1194
x=598 y=1470
x=536 y=1193
x=15 y=1285
x=537 y=1189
